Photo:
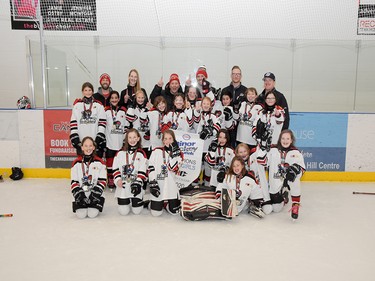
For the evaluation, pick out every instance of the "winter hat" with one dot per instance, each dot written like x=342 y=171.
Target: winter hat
x=105 y=76
x=202 y=71
x=173 y=77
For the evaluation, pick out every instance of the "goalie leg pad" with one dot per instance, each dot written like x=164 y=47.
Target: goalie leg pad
x=99 y=205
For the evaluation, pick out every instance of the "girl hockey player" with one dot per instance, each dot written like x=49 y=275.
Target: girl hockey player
x=269 y=122
x=133 y=116
x=88 y=119
x=130 y=167
x=179 y=118
x=115 y=132
x=219 y=157
x=249 y=156
x=248 y=193
x=208 y=127
x=193 y=102
x=153 y=119
x=163 y=165
x=230 y=117
x=247 y=113
x=88 y=180
x=286 y=167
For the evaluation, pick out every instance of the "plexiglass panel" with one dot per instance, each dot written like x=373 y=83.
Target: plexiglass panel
x=314 y=75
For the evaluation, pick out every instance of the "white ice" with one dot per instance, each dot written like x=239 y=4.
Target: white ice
x=333 y=239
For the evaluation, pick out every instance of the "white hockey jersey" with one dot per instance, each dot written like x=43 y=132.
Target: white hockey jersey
x=248 y=112
x=87 y=119
x=133 y=116
x=180 y=121
x=129 y=166
x=221 y=158
x=247 y=186
x=209 y=120
x=163 y=169
x=277 y=162
x=88 y=175
x=116 y=127
x=274 y=124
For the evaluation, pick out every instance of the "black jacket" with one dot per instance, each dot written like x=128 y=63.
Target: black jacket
x=238 y=95
x=166 y=93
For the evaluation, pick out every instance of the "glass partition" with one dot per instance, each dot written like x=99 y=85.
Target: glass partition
x=314 y=75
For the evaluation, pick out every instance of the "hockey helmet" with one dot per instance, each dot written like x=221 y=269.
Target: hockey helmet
x=17 y=173
x=23 y=103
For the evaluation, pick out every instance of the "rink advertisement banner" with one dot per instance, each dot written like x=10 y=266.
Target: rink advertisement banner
x=64 y=15
x=192 y=148
x=366 y=17
x=59 y=152
x=321 y=137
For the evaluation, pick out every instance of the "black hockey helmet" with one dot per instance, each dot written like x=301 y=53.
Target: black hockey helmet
x=17 y=174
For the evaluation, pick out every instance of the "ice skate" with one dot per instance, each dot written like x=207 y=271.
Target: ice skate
x=294 y=210
x=256 y=211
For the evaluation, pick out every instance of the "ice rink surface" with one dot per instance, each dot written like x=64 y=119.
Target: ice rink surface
x=333 y=239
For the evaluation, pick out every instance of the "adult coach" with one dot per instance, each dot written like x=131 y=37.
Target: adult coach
x=236 y=89
x=269 y=81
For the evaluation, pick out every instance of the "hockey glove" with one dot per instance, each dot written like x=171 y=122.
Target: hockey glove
x=204 y=134
x=135 y=188
x=80 y=198
x=175 y=150
x=220 y=176
x=154 y=188
x=260 y=129
x=101 y=141
x=292 y=172
x=213 y=146
x=74 y=138
x=227 y=114
x=95 y=195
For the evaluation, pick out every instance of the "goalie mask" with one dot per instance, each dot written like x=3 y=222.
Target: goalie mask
x=24 y=103
x=17 y=174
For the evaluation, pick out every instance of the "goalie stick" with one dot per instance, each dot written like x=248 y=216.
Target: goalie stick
x=364 y=193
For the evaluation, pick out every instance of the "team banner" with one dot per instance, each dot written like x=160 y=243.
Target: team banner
x=321 y=137
x=366 y=17
x=62 y=15
x=192 y=147
x=59 y=153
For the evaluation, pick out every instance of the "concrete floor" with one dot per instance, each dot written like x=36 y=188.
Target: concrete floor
x=332 y=240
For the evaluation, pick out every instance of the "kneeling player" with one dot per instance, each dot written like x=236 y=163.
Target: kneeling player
x=129 y=170
x=164 y=163
x=88 y=180
x=286 y=167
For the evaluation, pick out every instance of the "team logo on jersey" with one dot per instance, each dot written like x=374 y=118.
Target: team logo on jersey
x=86 y=117
x=116 y=128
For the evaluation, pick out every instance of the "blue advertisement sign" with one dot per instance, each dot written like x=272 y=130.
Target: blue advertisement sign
x=321 y=137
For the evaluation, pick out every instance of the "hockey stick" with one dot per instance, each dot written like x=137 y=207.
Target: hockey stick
x=364 y=193
x=6 y=215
